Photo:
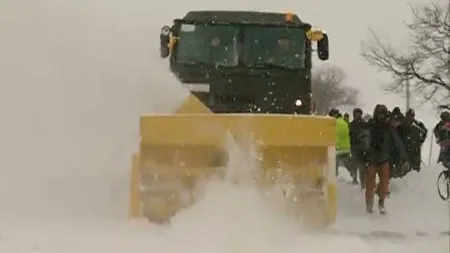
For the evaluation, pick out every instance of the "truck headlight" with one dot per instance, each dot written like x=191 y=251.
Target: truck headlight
x=298 y=102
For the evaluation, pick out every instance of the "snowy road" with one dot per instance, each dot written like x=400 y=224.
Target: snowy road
x=71 y=239
x=207 y=228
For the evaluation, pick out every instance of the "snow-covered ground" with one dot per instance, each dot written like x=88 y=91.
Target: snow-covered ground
x=232 y=219
x=76 y=75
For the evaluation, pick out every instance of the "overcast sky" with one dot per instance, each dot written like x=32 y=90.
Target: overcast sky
x=95 y=31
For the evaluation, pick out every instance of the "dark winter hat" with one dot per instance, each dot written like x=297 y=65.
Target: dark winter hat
x=380 y=109
x=357 y=110
x=410 y=112
x=396 y=111
x=333 y=112
x=445 y=115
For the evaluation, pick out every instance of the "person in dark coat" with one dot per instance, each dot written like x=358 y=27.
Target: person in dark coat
x=439 y=131
x=380 y=130
x=399 y=162
x=398 y=118
x=359 y=143
x=416 y=136
x=442 y=133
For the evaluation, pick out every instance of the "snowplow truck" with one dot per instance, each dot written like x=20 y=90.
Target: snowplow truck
x=249 y=77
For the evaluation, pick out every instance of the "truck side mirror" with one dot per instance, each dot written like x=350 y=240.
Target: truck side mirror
x=322 y=48
x=164 y=39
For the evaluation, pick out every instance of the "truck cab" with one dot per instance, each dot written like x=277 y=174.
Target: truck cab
x=244 y=62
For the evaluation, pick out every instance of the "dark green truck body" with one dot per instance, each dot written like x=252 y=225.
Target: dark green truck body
x=244 y=62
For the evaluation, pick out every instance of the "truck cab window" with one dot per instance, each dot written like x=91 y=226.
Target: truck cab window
x=281 y=46
x=207 y=44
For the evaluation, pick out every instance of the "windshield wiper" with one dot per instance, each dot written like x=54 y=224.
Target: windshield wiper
x=272 y=65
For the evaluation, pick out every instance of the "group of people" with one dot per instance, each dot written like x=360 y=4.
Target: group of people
x=388 y=143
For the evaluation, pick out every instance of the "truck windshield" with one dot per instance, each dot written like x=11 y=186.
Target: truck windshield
x=207 y=44
x=274 y=46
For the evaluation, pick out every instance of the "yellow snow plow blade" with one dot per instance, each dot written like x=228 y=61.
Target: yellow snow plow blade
x=177 y=151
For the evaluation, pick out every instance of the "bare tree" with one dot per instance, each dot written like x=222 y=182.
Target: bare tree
x=425 y=64
x=330 y=91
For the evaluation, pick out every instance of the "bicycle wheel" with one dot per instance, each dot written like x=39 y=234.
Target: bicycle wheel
x=443 y=185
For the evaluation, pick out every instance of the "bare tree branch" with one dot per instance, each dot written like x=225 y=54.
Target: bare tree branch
x=330 y=91
x=425 y=65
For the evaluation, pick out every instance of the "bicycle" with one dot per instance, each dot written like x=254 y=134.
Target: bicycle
x=444 y=176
